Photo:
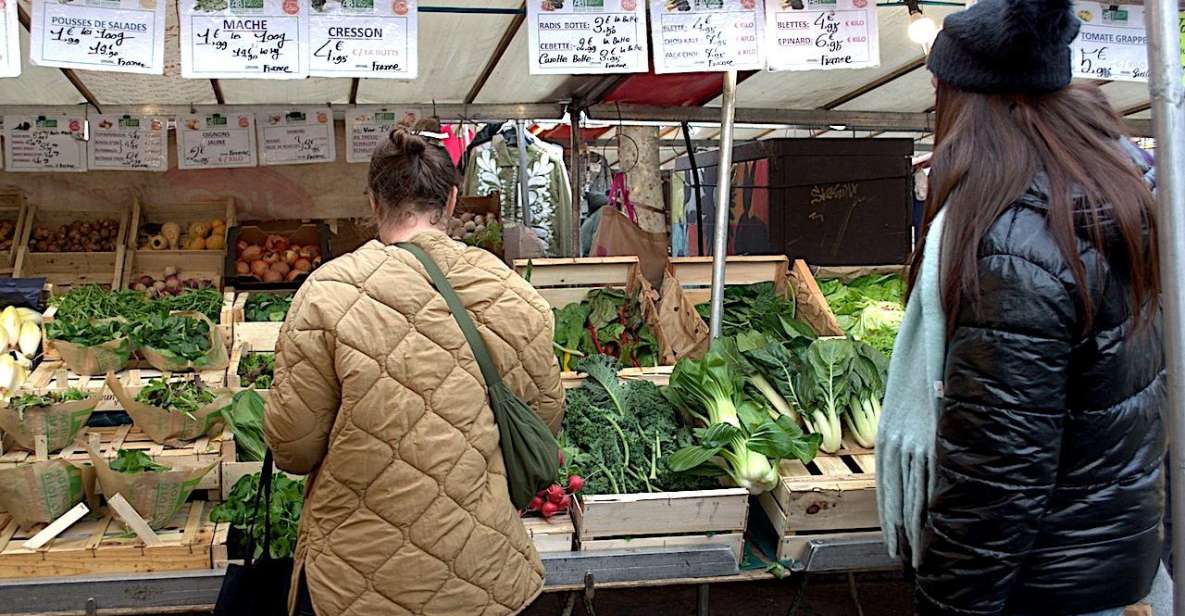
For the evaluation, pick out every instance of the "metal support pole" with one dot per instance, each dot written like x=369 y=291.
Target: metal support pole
x=723 y=200
x=1168 y=120
x=524 y=179
x=577 y=172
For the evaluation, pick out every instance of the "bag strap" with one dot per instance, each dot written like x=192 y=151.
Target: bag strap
x=265 y=491
x=480 y=352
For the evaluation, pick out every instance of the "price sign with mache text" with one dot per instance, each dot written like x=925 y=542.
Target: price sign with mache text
x=10 y=40
x=1112 y=43
x=364 y=38
x=569 y=37
x=707 y=35
x=296 y=136
x=128 y=143
x=215 y=140
x=44 y=143
x=366 y=130
x=812 y=35
x=244 y=39
x=123 y=36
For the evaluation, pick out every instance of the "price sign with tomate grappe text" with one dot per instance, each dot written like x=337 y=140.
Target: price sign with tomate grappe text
x=811 y=35
x=567 y=37
x=244 y=39
x=1112 y=43
x=707 y=35
x=44 y=143
x=364 y=38
x=123 y=36
x=128 y=143
x=216 y=140
x=10 y=40
x=296 y=136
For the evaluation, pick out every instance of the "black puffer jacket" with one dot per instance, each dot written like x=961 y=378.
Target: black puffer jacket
x=1050 y=442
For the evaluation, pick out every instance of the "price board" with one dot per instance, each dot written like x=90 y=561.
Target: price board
x=707 y=35
x=10 y=40
x=45 y=143
x=364 y=38
x=1112 y=43
x=216 y=140
x=811 y=35
x=128 y=143
x=568 y=37
x=244 y=39
x=296 y=136
x=366 y=130
x=123 y=36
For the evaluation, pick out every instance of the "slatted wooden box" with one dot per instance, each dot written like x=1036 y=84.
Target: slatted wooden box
x=554 y=535
x=261 y=336
x=833 y=494
x=100 y=545
x=566 y=281
x=196 y=264
x=68 y=269
x=54 y=373
x=13 y=210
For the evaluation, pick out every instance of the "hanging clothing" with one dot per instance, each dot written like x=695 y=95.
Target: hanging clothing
x=494 y=167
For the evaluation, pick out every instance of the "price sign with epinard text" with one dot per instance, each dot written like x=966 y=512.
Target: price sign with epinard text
x=812 y=35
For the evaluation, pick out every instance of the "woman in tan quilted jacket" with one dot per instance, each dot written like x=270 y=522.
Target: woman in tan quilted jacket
x=378 y=399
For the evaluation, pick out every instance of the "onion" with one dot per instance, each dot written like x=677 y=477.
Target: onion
x=271 y=258
x=241 y=245
x=272 y=276
x=259 y=268
x=251 y=253
x=242 y=268
x=302 y=265
x=290 y=256
x=292 y=275
x=276 y=242
x=310 y=251
x=281 y=267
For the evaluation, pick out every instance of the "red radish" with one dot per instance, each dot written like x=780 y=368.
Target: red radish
x=575 y=483
x=555 y=494
x=565 y=502
x=536 y=503
x=549 y=509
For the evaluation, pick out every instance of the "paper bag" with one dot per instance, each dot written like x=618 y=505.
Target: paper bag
x=810 y=305
x=215 y=359
x=156 y=496
x=168 y=427
x=618 y=237
x=59 y=423
x=681 y=331
x=40 y=492
x=110 y=356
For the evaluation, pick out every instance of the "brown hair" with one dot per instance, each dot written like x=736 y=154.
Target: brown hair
x=410 y=174
x=988 y=150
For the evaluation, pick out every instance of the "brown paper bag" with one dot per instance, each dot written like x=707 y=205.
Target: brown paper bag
x=810 y=305
x=681 y=331
x=216 y=359
x=169 y=427
x=59 y=423
x=618 y=237
x=40 y=492
x=95 y=360
x=156 y=496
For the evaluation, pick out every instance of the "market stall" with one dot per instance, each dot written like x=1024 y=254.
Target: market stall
x=238 y=220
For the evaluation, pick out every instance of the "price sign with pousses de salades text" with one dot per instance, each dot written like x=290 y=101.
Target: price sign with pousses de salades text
x=1112 y=43
x=10 y=40
x=296 y=136
x=568 y=37
x=811 y=35
x=707 y=35
x=124 y=36
x=364 y=38
x=244 y=39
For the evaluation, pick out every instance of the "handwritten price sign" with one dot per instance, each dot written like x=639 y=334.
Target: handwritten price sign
x=10 y=52
x=1112 y=43
x=212 y=141
x=125 y=37
x=44 y=143
x=821 y=35
x=293 y=137
x=257 y=39
x=364 y=38
x=128 y=143
x=707 y=35
x=587 y=36
x=365 y=130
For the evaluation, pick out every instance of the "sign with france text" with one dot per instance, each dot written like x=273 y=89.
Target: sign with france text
x=10 y=40
x=812 y=35
x=296 y=136
x=364 y=38
x=587 y=36
x=366 y=130
x=1112 y=43
x=44 y=143
x=128 y=143
x=244 y=39
x=124 y=36
x=707 y=35
x=216 y=140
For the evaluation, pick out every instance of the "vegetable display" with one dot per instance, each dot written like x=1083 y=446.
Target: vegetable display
x=185 y=397
x=135 y=461
x=276 y=259
x=481 y=230
x=177 y=336
x=7 y=233
x=171 y=283
x=20 y=341
x=24 y=402
x=606 y=322
x=203 y=235
x=257 y=370
x=244 y=417
x=618 y=436
x=267 y=307
x=287 y=501
x=757 y=307
x=78 y=236
x=91 y=302
x=556 y=499
x=869 y=308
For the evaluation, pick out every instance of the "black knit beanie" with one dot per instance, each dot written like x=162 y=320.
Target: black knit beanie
x=1006 y=47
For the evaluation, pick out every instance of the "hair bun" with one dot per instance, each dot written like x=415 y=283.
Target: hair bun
x=407 y=142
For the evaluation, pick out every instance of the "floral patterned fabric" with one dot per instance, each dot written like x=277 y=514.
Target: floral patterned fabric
x=493 y=167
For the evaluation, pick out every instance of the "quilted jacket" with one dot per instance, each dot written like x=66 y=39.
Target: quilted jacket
x=1049 y=484
x=378 y=397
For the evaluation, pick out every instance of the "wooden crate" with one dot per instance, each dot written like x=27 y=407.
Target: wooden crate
x=554 y=535
x=566 y=281
x=13 y=209
x=624 y=521
x=99 y=544
x=198 y=454
x=261 y=336
x=834 y=493
x=241 y=350
x=197 y=264
x=53 y=374
x=68 y=269
x=659 y=375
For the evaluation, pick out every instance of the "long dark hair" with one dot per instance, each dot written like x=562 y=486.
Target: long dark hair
x=988 y=148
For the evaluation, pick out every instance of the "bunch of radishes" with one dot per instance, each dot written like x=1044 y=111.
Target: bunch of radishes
x=276 y=260
x=556 y=499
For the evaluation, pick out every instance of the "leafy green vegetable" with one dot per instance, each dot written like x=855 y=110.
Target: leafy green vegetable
x=287 y=501
x=24 y=402
x=258 y=370
x=757 y=307
x=182 y=337
x=244 y=416
x=489 y=238
x=180 y=397
x=85 y=332
x=135 y=461
x=205 y=301
x=90 y=315
x=267 y=307
x=607 y=322
x=869 y=308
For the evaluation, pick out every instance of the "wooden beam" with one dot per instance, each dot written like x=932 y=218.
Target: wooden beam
x=516 y=22
x=217 y=92
x=883 y=80
x=1136 y=109
x=354 y=91
x=71 y=76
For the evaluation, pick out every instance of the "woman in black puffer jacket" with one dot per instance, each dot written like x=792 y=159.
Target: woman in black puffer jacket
x=1048 y=491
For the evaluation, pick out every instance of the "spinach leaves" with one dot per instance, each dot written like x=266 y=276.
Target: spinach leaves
x=286 y=504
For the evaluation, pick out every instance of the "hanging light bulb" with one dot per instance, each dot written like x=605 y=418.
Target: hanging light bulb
x=922 y=29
